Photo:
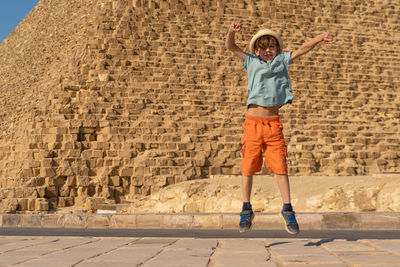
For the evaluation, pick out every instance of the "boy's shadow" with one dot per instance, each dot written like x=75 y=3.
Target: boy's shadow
x=319 y=243
x=309 y=244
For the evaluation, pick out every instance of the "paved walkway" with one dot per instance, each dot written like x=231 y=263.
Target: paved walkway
x=188 y=252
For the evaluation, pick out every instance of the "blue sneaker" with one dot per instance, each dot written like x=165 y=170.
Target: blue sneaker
x=291 y=224
x=246 y=218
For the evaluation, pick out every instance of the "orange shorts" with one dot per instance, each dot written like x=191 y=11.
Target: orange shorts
x=263 y=134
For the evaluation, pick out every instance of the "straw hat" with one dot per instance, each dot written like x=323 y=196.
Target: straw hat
x=262 y=33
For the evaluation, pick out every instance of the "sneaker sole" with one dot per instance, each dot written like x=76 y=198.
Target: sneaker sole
x=251 y=226
x=287 y=229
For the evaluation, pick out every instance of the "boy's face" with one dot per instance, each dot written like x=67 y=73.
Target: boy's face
x=267 y=54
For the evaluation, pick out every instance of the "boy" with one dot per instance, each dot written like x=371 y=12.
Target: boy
x=269 y=89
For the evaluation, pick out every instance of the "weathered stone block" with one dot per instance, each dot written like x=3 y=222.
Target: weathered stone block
x=127 y=171
x=47 y=172
x=9 y=205
x=207 y=221
x=380 y=221
x=31 y=220
x=31 y=204
x=46 y=163
x=115 y=181
x=12 y=220
x=22 y=204
x=98 y=221
x=75 y=220
x=181 y=221
x=93 y=203
x=149 y=221
x=123 y=221
x=82 y=181
x=52 y=220
x=51 y=191
x=341 y=221
x=53 y=202
x=41 y=204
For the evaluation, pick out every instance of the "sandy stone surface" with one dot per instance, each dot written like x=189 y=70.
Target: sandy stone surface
x=213 y=252
x=309 y=194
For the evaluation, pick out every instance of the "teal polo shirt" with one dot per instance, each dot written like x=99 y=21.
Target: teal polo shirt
x=268 y=83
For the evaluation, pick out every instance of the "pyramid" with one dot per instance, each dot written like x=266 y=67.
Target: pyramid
x=105 y=101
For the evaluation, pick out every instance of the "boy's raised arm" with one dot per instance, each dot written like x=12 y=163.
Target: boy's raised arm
x=230 y=40
x=306 y=47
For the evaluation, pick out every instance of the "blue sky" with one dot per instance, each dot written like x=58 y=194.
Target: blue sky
x=12 y=12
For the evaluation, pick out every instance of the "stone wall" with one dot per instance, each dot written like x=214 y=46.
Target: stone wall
x=105 y=100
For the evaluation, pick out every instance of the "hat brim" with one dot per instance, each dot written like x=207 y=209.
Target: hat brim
x=263 y=33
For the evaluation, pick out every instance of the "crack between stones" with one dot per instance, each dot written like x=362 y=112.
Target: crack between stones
x=210 y=263
x=19 y=247
x=102 y=253
x=44 y=254
x=155 y=255
x=336 y=256
x=367 y=243
x=271 y=258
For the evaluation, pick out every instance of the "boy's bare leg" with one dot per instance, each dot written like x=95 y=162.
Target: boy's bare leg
x=284 y=187
x=288 y=215
x=247 y=184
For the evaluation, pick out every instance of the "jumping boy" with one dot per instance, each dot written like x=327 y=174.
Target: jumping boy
x=269 y=89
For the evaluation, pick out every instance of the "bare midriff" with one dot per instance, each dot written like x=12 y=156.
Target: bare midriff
x=257 y=110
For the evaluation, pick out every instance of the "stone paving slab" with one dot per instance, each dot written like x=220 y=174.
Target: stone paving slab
x=393 y=246
x=188 y=252
x=270 y=221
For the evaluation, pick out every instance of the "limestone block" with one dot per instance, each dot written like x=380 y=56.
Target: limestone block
x=75 y=220
x=123 y=221
x=40 y=191
x=8 y=205
x=177 y=222
x=127 y=171
x=71 y=181
x=41 y=204
x=149 y=221
x=80 y=199
x=22 y=204
x=106 y=192
x=64 y=191
x=31 y=204
x=192 y=207
x=86 y=155
x=103 y=180
x=115 y=180
x=97 y=154
x=47 y=172
x=27 y=172
x=35 y=181
x=51 y=191
x=25 y=192
x=93 y=203
x=207 y=221
x=11 y=220
x=53 y=202
x=97 y=221
x=31 y=221
x=82 y=181
x=64 y=170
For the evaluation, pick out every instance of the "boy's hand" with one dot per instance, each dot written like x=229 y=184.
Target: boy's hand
x=230 y=40
x=235 y=26
x=306 y=47
x=327 y=37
